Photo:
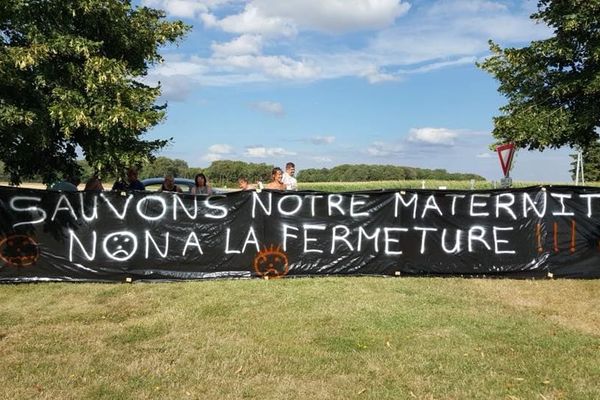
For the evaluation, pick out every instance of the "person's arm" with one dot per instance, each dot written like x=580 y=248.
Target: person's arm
x=285 y=179
x=208 y=189
x=193 y=191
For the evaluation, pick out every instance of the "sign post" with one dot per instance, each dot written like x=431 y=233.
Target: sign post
x=505 y=154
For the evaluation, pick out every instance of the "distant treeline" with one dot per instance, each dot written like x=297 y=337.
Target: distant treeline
x=226 y=172
x=367 y=173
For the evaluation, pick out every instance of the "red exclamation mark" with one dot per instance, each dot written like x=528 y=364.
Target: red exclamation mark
x=538 y=235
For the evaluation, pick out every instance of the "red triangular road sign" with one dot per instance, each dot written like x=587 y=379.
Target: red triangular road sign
x=505 y=153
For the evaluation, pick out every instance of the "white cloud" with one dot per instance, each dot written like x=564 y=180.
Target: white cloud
x=210 y=157
x=383 y=149
x=217 y=152
x=176 y=76
x=442 y=64
x=285 y=18
x=374 y=75
x=425 y=44
x=322 y=139
x=179 y=68
x=484 y=155
x=245 y=44
x=269 y=107
x=290 y=40
x=172 y=89
x=335 y=15
x=433 y=136
x=220 y=149
x=184 y=8
x=264 y=152
x=253 y=21
x=462 y=29
x=279 y=67
x=466 y=6
x=228 y=70
x=321 y=159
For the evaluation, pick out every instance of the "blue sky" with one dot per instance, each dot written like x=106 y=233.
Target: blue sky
x=329 y=82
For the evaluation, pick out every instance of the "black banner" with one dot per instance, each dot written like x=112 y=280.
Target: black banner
x=121 y=236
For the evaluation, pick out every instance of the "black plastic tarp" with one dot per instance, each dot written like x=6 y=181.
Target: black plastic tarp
x=117 y=236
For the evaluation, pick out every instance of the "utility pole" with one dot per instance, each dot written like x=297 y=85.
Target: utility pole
x=579 y=169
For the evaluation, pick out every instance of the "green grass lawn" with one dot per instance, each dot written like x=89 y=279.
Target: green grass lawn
x=319 y=338
x=417 y=184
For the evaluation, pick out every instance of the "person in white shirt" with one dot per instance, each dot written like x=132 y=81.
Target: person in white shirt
x=288 y=177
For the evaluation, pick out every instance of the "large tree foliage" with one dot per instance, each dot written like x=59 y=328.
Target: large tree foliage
x=553 y=85
x=70 y=81
x=223 y=171
x=163 y=166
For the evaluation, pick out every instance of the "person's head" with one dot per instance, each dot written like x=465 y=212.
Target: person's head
x=200 y=180
x=94 y=184
x=243 y=182
x=132 y=175
x=169 y=181
x=290 y=168
x=276 y=174
x=74 y=180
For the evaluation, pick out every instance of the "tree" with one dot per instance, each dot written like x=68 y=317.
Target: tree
x=591 y=163
x=165 y=166
x=552 y=85
x=226 y=172
x=3 y=175
x=70 y=81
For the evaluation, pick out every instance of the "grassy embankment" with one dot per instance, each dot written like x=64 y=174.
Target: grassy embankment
x=363 y=338
x=326 y=338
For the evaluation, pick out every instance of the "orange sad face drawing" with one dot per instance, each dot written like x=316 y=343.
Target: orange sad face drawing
x=19 y=251
x=271 y=263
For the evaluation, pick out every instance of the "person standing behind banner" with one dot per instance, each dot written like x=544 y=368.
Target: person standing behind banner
x=288 y=177
x=67 y=185
x=94 y=184
x=276 y=183
x=169 y=185
x=201 y=185
x=133 y=182
x=244 y=185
